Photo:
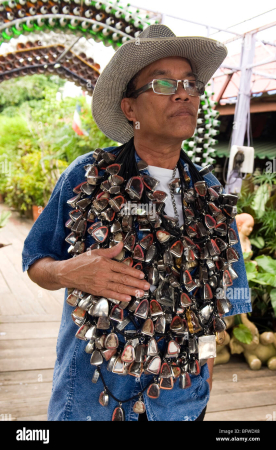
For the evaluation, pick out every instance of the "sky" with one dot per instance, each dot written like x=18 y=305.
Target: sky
x=236 y=15
x=213 y=13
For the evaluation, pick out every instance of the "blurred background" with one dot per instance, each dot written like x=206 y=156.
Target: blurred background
x=51 y=54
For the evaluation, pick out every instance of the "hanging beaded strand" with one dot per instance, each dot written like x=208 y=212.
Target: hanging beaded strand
x=154 y=244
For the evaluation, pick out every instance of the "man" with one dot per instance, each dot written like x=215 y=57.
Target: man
x=160 y=117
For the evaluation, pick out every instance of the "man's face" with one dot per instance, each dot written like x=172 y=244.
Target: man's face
x=172 y=117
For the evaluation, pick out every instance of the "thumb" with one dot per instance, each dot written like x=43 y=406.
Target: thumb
x=112 y=251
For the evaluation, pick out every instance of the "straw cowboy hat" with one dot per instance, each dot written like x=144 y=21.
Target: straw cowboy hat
x=155 y=42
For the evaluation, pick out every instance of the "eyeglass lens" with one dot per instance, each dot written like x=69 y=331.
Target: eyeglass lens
x=168 y=87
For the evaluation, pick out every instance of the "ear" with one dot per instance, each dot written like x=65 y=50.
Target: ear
x=126 y=107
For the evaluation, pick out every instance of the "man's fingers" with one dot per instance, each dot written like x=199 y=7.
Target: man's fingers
x=110 y=252
x=122 y=289
x=116 y=296
x=127 y=280
x=123 y=268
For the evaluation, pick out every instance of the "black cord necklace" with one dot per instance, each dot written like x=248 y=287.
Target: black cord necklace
x=187 y=266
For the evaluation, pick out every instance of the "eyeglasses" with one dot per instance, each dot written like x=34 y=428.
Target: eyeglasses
x=167 y=86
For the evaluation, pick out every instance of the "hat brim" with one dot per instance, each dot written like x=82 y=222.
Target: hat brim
x=204 y=54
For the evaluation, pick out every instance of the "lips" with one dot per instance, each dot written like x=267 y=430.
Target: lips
x=182 y=112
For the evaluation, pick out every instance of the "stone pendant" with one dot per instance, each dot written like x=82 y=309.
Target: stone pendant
x=226 y=279
x=153 y=391
x=152 y=349
x=219 y=324
x=118 y=366
x=90 y=347
x=128 y=354
x=103 y=399
x=232 y=236
x=166 y=383
x=111 y=341
x=134 y=188
x=135 y=369
x=138 y=253
x=153 y=276
x=177 y=324
x=139 y=407
x=146 y=241
x=118 y=415
x=117 y=314
x=148 y=328
x=155 y=308
x=150 y=182
x=100 y=309
x=107 y=354
x=194 y=367
x=166 y=371
x=96 y=358
x=173 y=349
x=232 y=255
x=103 y=323
x=184 y=381
x=185 y=300
x=154 y=365
x=142 y=309
x=176 y=370
x=193 y=322
x=160 y=325
x=96 y=376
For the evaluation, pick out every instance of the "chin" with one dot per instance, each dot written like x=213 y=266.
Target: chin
x=185 y=136
x=185 y=133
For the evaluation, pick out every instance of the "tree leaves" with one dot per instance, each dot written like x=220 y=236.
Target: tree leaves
x=242 y=334
x=251 y=271
x=265 y=278
x=260 y=199
x=273 y=300
x=266 y=264
x=258 y=241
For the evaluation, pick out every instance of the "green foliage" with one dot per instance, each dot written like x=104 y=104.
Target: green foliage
x=251 y=270
x=258 y=242
x=268 y=221
x=75 y=145
x=258 y=198
x=30 y=181
x=4 y=217
x=261 y=276
x=260 y=202
x=37 y=141
x=273 y=299
x=266 y=264
x=242 y=333
x=13 y=130
x=16 y=91
x=265 y=178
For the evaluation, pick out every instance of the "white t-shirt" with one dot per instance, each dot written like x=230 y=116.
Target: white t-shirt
x=165 y=177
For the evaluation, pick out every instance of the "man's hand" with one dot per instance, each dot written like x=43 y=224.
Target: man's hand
x=94 y=272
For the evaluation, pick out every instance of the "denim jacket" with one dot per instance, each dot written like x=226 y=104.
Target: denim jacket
x=74 y=396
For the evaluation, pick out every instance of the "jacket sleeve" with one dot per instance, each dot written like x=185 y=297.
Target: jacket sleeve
x=46 y=237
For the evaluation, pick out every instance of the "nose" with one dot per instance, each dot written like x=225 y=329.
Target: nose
x=181 y=93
